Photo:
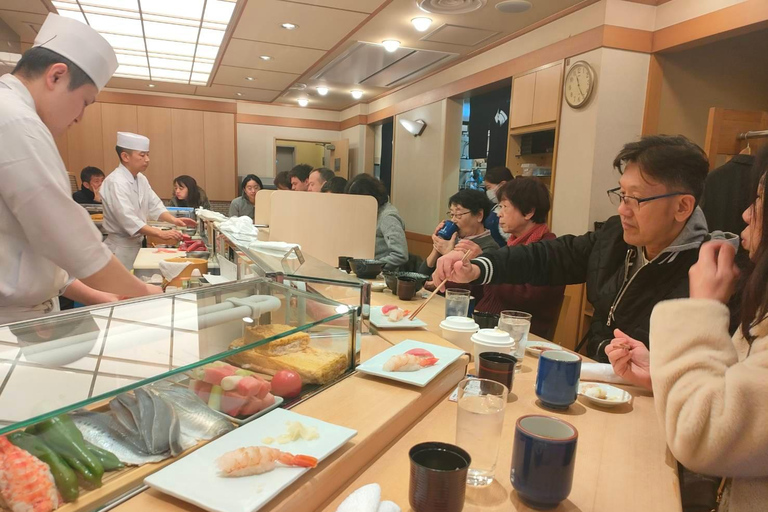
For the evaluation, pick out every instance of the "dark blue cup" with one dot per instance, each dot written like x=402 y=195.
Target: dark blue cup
x=448 y=229
x=543 y=458
x=557 y=381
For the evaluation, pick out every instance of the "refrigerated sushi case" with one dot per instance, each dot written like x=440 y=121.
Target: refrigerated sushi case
x=78 y=363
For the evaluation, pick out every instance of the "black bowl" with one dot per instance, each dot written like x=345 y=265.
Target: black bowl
x=366 y=269
x=390 y=277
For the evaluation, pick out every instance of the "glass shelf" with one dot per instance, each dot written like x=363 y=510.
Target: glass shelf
x=83 y=358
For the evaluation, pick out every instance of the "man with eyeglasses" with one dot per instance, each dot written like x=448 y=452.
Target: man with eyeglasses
x=638 y=258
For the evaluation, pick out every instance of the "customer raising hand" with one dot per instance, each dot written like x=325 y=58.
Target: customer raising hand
x=630 y=359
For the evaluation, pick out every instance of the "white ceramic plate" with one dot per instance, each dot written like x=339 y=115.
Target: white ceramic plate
x=614 y=396
x=533 y=348
x=242 y=421
x=420 y=378
x=381 y=321
x=195 y=478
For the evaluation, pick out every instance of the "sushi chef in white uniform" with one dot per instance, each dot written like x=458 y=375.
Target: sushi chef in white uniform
x=52 y=248
x=129 y=202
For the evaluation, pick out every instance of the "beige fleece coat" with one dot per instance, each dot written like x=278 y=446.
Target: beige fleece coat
x=711 y=395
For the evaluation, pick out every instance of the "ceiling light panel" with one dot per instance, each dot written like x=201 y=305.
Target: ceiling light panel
x=152 y=40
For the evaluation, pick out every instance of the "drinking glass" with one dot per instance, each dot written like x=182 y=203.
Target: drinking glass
x=456 y=302
x=479 y=423
x=517 y=324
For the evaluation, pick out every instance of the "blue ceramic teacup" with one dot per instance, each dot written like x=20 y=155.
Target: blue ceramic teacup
x=557 y=381
x=448 y=229
x=543 y=458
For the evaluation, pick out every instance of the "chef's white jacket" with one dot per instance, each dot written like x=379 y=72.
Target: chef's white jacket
x=128 y=202
x=46 y=239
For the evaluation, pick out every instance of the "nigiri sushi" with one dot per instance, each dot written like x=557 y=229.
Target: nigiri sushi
x=26 y=483
x=411 y=361
x=254 y=460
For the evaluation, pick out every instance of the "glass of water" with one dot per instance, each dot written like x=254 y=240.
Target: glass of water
x=478 y=426
x=456 y=302
x=517 y=324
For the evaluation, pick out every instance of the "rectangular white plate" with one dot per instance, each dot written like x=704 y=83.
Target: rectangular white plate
x=195 y=478
x=420 y=378
x=381 y=321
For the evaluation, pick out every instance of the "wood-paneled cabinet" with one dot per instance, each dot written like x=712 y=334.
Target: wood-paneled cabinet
x=220 y=174
x=155 y=123
x=188 y=144
x=84 y=141
x=115 y=118
x=535 y=97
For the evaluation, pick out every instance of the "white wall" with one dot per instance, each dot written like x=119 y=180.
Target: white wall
x=591 y=137
x=360 y=140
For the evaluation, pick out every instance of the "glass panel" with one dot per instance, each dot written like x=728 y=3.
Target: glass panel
x=132 y=71
x=114 y=25
x=187 y=34
x=180 y=65
x=207 y=52
x=191 y=8
x=203 y=67
x=200 y=78
x=60 y=363
x=129 y=5
x=75 y=15
x=170 y=47
x=211 y=37
x=131 y=60
x=169 y=73
x=216 y=10
x=125 y=42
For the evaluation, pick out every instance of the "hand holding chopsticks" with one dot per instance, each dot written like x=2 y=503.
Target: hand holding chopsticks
x=437 y=289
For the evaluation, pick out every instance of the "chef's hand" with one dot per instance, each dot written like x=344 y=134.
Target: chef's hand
x=443 y=246
x=184 y=222
x=169 y=234
x=469 y=246
x=714 y=275
x=630 y=359
x=451 y=265
x=154 y=290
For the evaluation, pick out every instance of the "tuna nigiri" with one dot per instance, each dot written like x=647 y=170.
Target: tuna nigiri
x=411 y=361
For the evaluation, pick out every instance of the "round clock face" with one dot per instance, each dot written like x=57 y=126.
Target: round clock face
x=579 y=84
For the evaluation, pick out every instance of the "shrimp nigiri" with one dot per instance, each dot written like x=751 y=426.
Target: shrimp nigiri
x=411 y=361
x=26 y=483
x=254 y=460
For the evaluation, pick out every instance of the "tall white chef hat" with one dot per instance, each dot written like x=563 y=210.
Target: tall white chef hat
x=127 y=140
x=79 y=43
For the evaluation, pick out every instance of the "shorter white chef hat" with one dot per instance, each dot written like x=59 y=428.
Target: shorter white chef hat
x=81 y=44
x=127 y=140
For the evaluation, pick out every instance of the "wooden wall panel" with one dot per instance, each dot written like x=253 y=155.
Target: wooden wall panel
x=546 y=102
x=116 y=118
x=521 y=110
x=220 y=172
x=84 y=141
x=188 y=144
x=155 y=123
x=61 y=143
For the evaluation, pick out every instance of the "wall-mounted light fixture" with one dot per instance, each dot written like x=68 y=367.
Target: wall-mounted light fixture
x=415 y=128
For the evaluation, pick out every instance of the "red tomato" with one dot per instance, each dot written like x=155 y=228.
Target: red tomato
x=286 y=383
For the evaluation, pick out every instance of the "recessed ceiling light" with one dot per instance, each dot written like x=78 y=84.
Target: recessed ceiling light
x=265 y=57
x=322 y=91
x=357 y=94
x=303 y=102
x=238 y=94
x=151 y=85
x=299 y=86
x=289 y=26
x=250 y=78
x=421 y=24
x=513 y=6
x=390 y=45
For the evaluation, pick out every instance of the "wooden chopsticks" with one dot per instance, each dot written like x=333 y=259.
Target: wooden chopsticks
x=418 y=310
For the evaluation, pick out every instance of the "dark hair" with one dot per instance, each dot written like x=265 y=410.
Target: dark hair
x=193 y=199
x=754 y=300
x=283 y=179
x=473 y=200
x=335 y=185
x=250 y=177
x=672 y=160
x=89 y=172
x=367 y=185
x=496 y=175
x=527 y=195
x=36 y=61
x=300 y=172
x=325 y=173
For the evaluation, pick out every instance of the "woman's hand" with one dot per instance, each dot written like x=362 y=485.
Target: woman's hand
x=630 y=359
x=184 y=222
x=714 y=275
x=443 y=246
x=471 y=247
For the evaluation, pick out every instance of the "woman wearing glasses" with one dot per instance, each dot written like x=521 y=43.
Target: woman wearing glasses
x=468 y=209
x=243 y=206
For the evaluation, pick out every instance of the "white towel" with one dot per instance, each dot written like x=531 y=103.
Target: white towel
x=367 y=499
x=602 y=372
x=171 y=270
x=276 y=249
x=210 y=215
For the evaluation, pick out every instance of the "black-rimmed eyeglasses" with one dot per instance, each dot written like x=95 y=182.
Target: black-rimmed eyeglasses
x=633 y=202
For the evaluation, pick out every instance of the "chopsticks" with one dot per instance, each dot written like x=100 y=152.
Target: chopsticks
x=418 y=310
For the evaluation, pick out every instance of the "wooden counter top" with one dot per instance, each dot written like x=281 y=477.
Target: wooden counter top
x=621 y=464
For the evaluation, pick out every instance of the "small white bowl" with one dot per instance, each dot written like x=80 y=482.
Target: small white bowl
x=459 y=330
x=613 y=396
x=535 y=348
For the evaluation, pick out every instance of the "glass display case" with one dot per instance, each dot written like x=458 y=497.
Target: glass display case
x=131 y=386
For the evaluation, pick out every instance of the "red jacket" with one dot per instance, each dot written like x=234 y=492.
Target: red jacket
x=542 y=302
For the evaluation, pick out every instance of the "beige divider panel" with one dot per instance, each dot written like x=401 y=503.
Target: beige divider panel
x=262 y=206
x=325 y=225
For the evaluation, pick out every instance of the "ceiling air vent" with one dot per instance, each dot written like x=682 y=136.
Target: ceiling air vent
x=450 y=6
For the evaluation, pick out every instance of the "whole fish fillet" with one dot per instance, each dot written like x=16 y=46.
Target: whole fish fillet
x=103 y=431
x=197 y=420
